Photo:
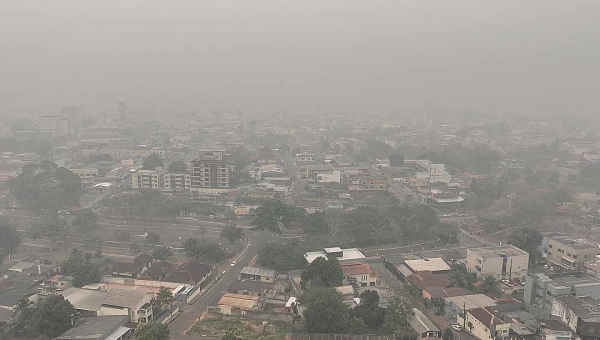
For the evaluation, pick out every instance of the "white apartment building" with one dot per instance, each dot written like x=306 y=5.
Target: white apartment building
x=147 y=179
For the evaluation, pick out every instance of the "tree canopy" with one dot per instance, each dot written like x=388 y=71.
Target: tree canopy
x=203 y=250
x=51 y=317
x=81 y=267
x=323 y=272
x=527 y=239
x=326 y=311
x=396 y=159
x=152 y=162
x=9 y=239
x=274 y=216
x=177 y=167
x=283 y=255
x=152 y=331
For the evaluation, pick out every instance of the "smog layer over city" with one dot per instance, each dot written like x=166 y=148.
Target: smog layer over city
x=300 y=170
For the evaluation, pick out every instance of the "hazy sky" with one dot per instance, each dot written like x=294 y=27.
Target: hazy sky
x=521 y=56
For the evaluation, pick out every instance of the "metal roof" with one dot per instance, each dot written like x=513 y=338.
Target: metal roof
x=258 y=271
x=85 y=299
x=421 y=323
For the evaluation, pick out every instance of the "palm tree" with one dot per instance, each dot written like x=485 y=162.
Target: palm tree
x=164 y=297
x=490 y=285
x=457 y=279
x=232 y=233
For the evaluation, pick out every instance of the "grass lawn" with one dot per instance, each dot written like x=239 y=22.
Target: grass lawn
x=217 y=325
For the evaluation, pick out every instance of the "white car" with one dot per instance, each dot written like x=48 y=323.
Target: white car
x=456 y=327
x=233 y=264
x=506 y=282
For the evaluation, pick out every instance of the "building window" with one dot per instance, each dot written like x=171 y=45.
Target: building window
x=591 y=330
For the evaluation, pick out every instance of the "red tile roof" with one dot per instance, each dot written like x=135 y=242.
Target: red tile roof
x=486 y=316
x=356 y=268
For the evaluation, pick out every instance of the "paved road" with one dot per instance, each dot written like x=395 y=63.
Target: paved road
x=180 y=325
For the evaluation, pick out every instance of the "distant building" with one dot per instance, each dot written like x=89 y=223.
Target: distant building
x=147 y=179
x=99 y=328
x=424 y=328
x=177 y=182
x=343 y=255
x=501 y=262
x=257 y=274
x=485 y=324
x=58 y=124
x=360 y=274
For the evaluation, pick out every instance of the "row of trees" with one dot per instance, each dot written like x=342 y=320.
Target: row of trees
x=364 y=226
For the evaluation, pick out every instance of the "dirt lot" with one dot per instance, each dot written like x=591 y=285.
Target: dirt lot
x=213 y=325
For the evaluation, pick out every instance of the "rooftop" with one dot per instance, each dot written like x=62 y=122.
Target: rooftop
x=432 y=265
x=498 y=251
x=348 y=255
x=472 y=301
x=421 y=323
x=486 y=316
x=252 y=286
x=584 y=307
x=575 y=243
x=238 y=300
x=258 y=271
x=356 y=268
x=96 y=328
x=85 y=299
x=124 y=298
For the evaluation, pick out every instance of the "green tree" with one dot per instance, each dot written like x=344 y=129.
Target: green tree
x=81 y=267
x=162 y=252
x=232 y=233
x=323 y=272
x=51 y=317
x=369 y=310
x=151 y=239
x=164 y=297
x=274 y=216
x=152 y=331
x=152 y=162
x=9 y=239
x=283 y=255
x=398 y=309
x=490 y=284
x=230 y=335
x=448 y=335
x=135 y=248
x=85 y=221
x=177 y=167
x=396 y=159
x=527 y=239
x=326 y=311
x=362 y=223
x=461 y=278
x=315 y=224
x=203 y=250
x=356 y=325
x=122 y=235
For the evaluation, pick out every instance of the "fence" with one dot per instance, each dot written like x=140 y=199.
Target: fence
x=314 y=336
x=195 y=293
x=167 y=316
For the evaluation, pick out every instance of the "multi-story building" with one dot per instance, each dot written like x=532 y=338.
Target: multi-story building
x=306 y=157
x=485 y=324
x=147 y=179
x=501 y=262
x=541 y=290
x=176 y=182
x=369 y=184
x=571 y=254
x=60 y=125
x=211 y=171
x=86 y=174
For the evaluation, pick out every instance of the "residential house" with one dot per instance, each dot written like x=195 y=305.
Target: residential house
x=235 y=304
x=136 y=304
x=257 y=274
x=140 y=264
x=424 y=328
x=360 y=274
x=501 y=262
x=485 y=324
x=456 y=305
x=191 y=272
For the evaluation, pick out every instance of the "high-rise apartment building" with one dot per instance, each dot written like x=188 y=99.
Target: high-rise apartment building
x=211 y=170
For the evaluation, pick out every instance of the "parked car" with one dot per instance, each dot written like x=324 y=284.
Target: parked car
x=456 y=327
x=233 y=264
x=506 y=282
